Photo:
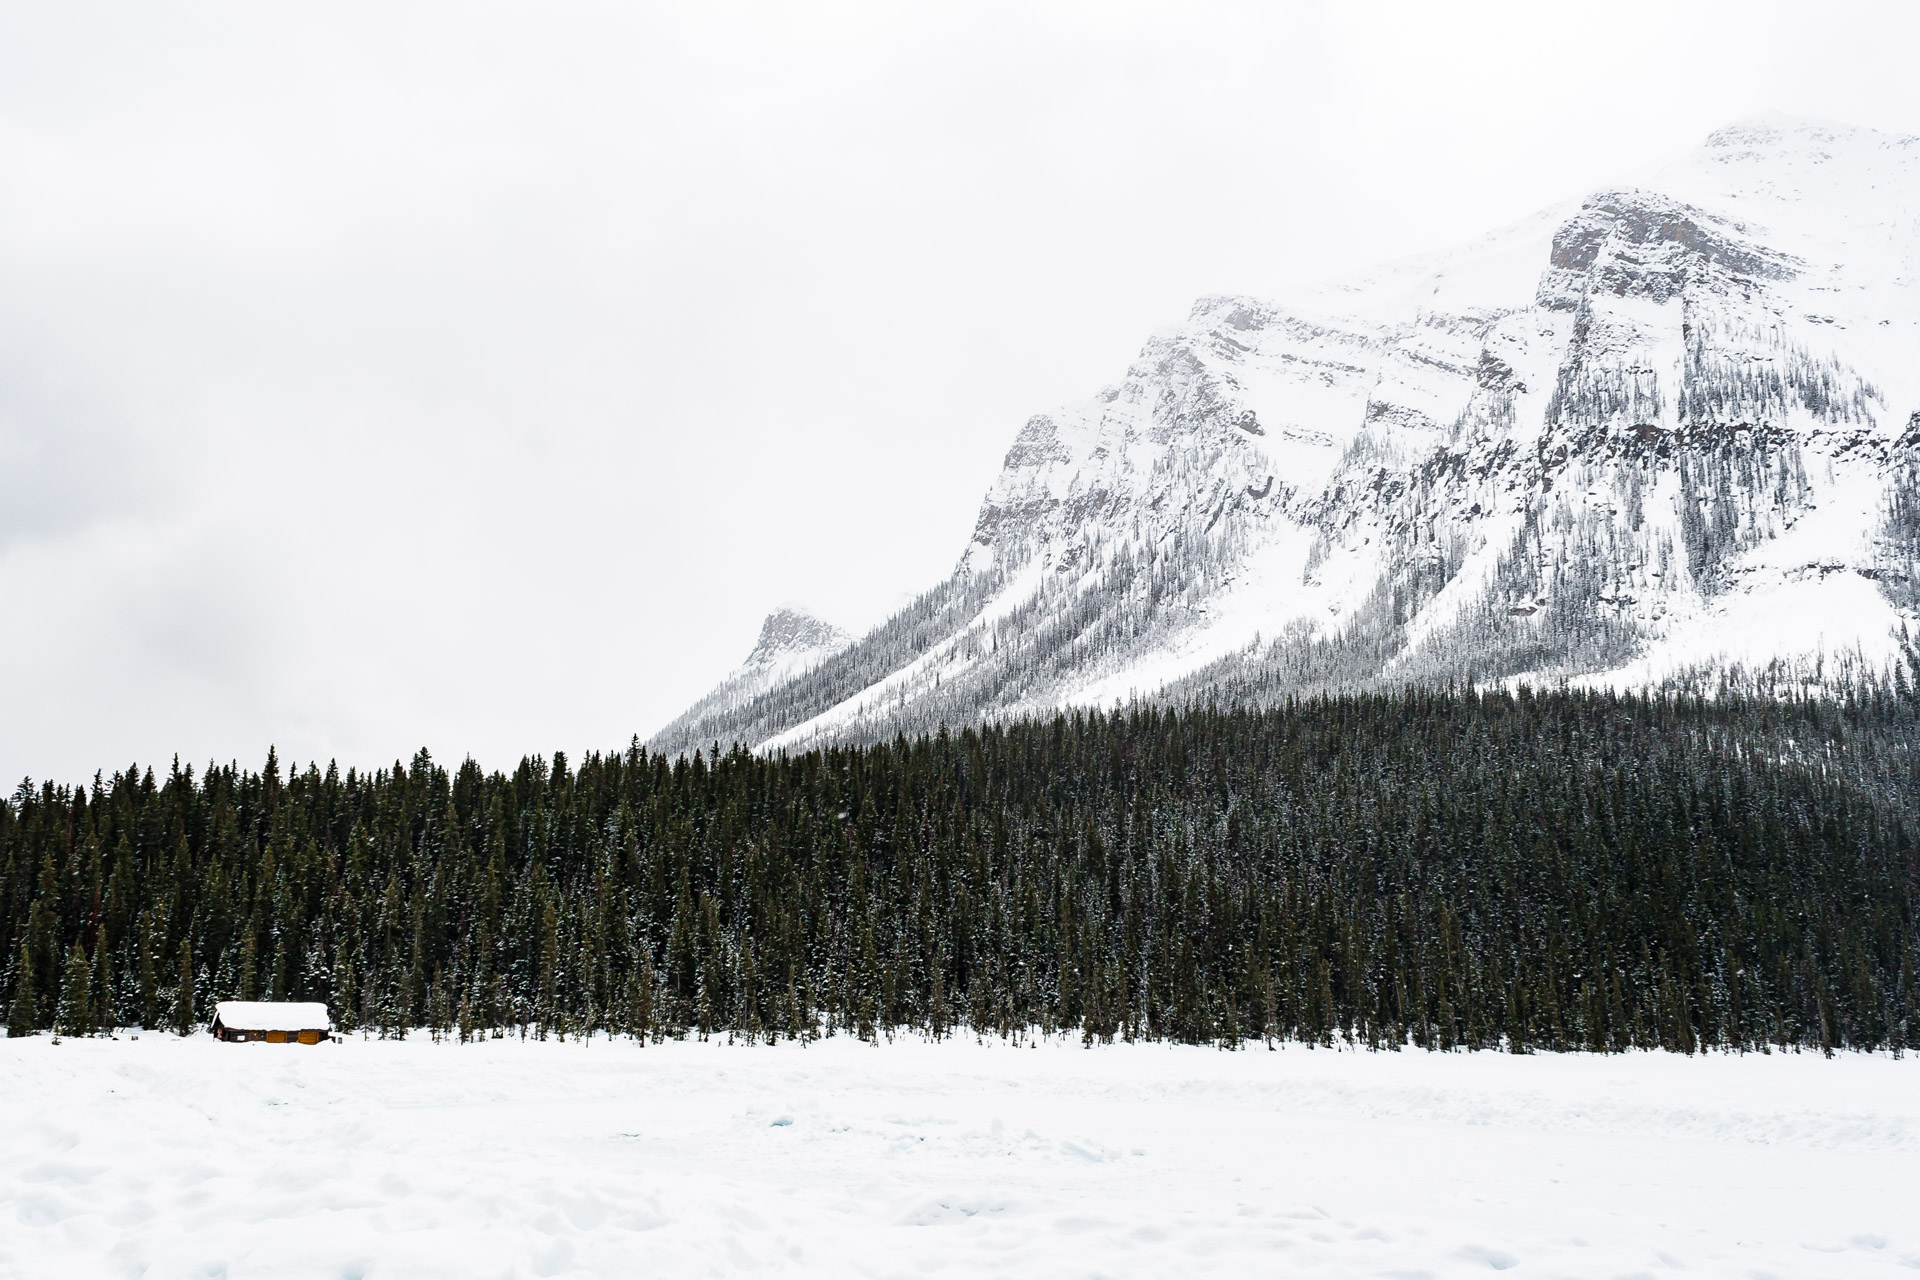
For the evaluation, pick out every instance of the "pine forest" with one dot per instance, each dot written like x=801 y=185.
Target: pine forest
x=1518 y=871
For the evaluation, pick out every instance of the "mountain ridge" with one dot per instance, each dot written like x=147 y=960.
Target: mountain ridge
x=1667 y=429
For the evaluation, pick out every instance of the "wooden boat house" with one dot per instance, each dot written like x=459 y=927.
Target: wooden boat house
x=274 y=1021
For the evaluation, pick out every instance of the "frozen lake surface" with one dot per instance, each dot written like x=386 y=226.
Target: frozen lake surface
x=162 y=1157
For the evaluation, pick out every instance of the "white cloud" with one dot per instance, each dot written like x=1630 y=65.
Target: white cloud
x=477 y=375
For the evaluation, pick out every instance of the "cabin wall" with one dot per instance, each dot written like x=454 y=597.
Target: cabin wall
x=236 y=1035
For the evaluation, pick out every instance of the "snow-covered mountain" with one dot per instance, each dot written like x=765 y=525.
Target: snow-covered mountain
x=792 y=642
x=1668 y=430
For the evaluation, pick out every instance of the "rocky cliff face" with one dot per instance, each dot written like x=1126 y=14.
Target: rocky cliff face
x=791 y=640
x=1666 y=432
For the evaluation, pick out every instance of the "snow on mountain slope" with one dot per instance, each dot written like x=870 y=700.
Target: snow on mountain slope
x=1659 y=432
x=792 y=642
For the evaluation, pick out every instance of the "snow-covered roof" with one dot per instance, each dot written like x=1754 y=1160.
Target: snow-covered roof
x=272 y=1015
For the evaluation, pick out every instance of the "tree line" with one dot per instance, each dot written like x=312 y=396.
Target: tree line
x=1436 y=868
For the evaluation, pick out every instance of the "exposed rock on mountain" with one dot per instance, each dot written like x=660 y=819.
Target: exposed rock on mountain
x=1668 y=431
x=792 y=639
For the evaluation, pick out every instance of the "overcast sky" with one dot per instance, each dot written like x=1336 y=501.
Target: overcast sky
x=477 y=376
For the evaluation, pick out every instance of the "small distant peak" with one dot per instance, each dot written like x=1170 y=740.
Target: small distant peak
x=1775 y=130
x=1237 y=311
x=789 y=630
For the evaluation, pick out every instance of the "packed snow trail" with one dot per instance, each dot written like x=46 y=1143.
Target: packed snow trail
x=162 y=1157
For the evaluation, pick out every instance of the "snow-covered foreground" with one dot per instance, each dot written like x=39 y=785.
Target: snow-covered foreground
x=163 y=1157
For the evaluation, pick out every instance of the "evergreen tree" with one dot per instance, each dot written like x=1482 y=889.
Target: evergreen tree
x=75 y=1017
x=149 y=1006
x=23 y=1013
x=101 y=1016
x=183 y=994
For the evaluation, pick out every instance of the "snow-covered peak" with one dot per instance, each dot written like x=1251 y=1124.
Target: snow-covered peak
x=790 y=634
x=1771 y=134
x=792 y=643
x=1661 y=429
x=1794 y=178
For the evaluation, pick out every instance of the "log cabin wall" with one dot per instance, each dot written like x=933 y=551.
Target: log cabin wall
x=235 y=1036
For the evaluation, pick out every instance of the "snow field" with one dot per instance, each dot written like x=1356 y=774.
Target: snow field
x=165 y=1157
